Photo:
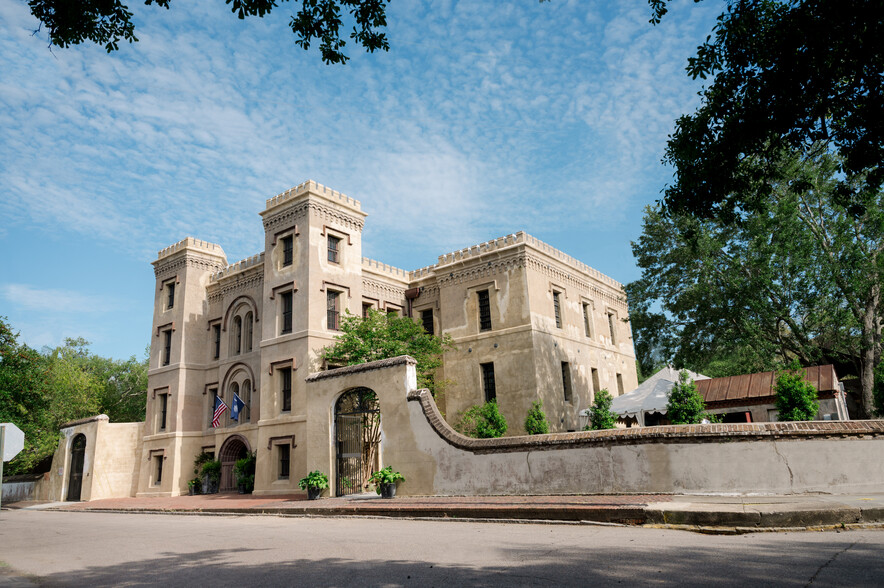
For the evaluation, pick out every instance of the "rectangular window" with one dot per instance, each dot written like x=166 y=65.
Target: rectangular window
x=586 y=323
x=557 y=306
x=333 y=307
x=333 y=249
x=595 y=380
x=287 y=247
x=167 y=347
x=285 y=387
x=286 y=298
x=611 y=328
x=284 y=454
x=158 y=469
x=170 y=295
x=427 y=320
x=619 y=384
x=484 y=311
x=488 y=384
x=164 y=405
x=365 y=309
x=566 y=380
x=216 y=339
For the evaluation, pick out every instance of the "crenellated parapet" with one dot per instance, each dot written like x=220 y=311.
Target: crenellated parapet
x=239 y=266
x=190 y=252
x=378 y=267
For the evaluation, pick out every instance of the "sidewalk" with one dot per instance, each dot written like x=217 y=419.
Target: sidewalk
x=712 y=513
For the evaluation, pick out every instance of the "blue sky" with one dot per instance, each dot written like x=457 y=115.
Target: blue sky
x=484 y=118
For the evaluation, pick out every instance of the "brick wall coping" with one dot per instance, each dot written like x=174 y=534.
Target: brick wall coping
x=362 y=367
x=712 y=433
x=98 y=417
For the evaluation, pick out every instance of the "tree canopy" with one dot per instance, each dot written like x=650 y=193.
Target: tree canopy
x=107 y=22
x=797 y=75
x=381 y=336
x=40 y=392
x=800 y=278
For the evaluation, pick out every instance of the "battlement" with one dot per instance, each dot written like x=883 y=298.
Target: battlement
x=314 y=188
x=515 y=239
x=383 y=268
x=239 y=266
x=195 y=244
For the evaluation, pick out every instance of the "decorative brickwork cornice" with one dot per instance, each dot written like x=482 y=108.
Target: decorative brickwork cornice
x=382 y=290
x=300 y=210
x=712 y=433
x=543 y=266
x=247 y=280
x=483 y=269
x=173 y=264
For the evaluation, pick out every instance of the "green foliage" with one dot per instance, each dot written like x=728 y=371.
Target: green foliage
x=385 y=476
x=535 y=422
x=482 y=422
x=796 y=397
x=686 y=405
x=314 y=479
x=382 y=336
x=212 y=470
x=799 y=278
x=797 y=75
x=879 y=390
x=600 y=414
x=201 y=458
x=107 y=22
x=244 y=469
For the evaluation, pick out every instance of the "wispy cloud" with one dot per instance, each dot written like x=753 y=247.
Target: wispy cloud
x=51 y=301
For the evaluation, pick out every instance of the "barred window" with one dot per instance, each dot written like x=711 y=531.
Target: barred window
x=484 y=311
x=488 y=384
x=286 y=301
x=566 y=381
x=216 y=336
x=285 y=386
x=287 y=247
x=427 y=320
x=333 y=249
x=557 y=307
x=334 y=311
x=284 y=451
x=167 y=347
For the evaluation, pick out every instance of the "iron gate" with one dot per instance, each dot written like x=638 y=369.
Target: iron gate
x=357 y=436
x=78 y=456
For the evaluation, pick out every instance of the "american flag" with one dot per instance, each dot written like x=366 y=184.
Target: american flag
x=220 y=407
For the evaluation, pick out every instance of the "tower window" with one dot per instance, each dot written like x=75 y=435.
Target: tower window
x=558 y=309
x=216 y=337
x=611 y=328
x=488 y=384
x=167 y=347
x=285 y=387
x=427 y=320
x=287 y=247
x=586 y=324
x=333 y=301
x=284 y=455
x=164 y=404
x=484 y=311
x=170 y=295
x=286 y=301
x=334 y=244
x=566 y=381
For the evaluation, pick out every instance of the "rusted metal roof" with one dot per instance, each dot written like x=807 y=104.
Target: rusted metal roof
x=761 y=385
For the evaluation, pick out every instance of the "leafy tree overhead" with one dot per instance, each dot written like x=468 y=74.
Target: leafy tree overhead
x=801 y=278
x=381 y=336
x=686 y=405
x=796 y=398
x=798 y=75
x=107 y=22
x=600 y=414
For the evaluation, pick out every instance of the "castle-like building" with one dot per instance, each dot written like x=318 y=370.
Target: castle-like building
x=528 y=321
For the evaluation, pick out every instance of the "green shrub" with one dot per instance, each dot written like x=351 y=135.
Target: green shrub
x=245 y=471
x=385 y=476
x=535 y=422
x=314 y=479
x=201 y=458
x=600 y=414
x=796 y=397
x=686 y=405
x=212 y=470
x=482 y=422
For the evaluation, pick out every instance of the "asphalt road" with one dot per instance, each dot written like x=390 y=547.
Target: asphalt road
x=98 y=549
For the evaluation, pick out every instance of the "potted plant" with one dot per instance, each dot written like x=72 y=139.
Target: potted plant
x=385 y=481
x=195 y=486
x=244 y=469
x=203 y=483
x=211 y=472
x=314 y=483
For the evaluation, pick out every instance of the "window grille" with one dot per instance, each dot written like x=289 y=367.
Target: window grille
x=488 y=383
x=286 y=312
x=484 y=311
x=333 y=307
x=558 y=309
x=284 y=451
x=216 y=333
x=287 y=247
x=164 y=402
x=427 y=320
x=285 y=376
x=566 y=381
x=167 y=347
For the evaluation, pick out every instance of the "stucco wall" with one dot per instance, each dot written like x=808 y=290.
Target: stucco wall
x=782 y=458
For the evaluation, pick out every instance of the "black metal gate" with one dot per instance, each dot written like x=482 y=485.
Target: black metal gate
x=78 y=456
x=357 y=436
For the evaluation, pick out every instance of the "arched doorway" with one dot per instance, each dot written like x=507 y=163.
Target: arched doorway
x=234 y=448
x=357 y=439
x=78 y=456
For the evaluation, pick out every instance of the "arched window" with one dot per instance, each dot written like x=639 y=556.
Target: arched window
x=246 y=397
x=237 y=335
x=248 y=331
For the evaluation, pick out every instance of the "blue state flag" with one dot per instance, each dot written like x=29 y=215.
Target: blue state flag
x=236 y=406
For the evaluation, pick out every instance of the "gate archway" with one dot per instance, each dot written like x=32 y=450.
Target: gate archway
x=357 y=439
x=234 y=448
x=78 y=456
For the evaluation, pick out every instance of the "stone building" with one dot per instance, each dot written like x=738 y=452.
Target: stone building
x=529 y=323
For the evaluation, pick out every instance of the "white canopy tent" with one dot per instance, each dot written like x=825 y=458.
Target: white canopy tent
x=652 y=396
